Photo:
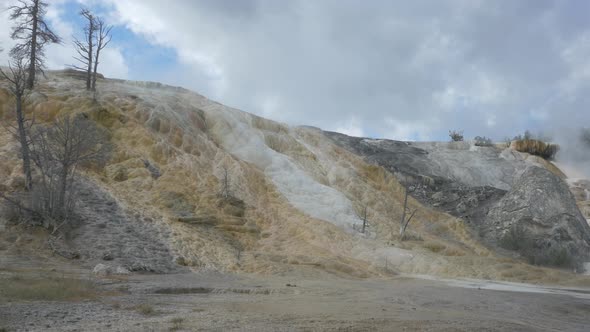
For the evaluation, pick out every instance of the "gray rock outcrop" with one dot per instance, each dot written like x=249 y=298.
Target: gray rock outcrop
x=501 y=193
x=539 y=217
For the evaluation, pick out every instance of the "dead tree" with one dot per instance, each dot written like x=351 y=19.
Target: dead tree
x=225 y=184
x=17 y=78
x=103 y=38
x=33 y=33
x=58 y=150
x=363 y=215
x=405 y=222
x=85 y=47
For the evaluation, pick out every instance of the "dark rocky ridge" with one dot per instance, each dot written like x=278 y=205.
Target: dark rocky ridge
x=414 y=165
x=516 y=192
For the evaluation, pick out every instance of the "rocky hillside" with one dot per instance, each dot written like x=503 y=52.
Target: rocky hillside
x=295 y=193
x=497 y=190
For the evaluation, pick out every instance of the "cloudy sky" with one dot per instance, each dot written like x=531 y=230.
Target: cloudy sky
x=396 y=69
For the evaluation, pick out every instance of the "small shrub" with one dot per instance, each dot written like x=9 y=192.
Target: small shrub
x=411 y=236
x=558 y=257
x=176 y=323
x=515 y=239
x=146 y=309
x=482 y=141
x=10 y=212
x=456 y=135
x=538 y=148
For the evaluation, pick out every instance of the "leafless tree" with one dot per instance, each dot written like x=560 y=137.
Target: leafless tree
x=225 y=184
x=85 y=47
x=103 y=38
x=456 y=135
x=17 y=78
x=363 y=215
x=58 y=150
x=405 y=222
x=33 y=33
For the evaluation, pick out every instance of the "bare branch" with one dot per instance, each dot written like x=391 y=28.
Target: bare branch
x=33 y=33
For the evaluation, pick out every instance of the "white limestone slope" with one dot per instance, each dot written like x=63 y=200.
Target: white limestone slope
x=237 y=134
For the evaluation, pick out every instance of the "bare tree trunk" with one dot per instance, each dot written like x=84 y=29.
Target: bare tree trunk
x=24 y=143
x=401 y=225
x=93 y=88
x=364 y=219
x=85 y=48
x=63 y=190
x=89 y=70
x=103 y=38
x=33 y=57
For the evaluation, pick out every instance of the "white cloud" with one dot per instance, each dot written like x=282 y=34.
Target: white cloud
x=428 y=66
x=351 y=127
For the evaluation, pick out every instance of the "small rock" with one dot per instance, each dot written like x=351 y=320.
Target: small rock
x=122 y=270
x=461 y=208
x=107 y=256
x=102 y=270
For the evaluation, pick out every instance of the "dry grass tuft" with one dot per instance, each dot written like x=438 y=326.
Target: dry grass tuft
x=434 y=246
x=440 y=229
x=450 y=251
x=535 y=147
x=176 y=323
x=146 y=309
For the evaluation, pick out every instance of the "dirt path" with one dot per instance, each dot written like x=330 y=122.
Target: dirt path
x=198 y=302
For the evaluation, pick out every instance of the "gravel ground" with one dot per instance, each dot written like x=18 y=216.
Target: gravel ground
x=202 y=302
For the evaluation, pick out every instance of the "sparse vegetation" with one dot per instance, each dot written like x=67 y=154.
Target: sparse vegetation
x=536 y=147
x=58 y=151
x=558 y=257
x=456 y=135
x=176 y=323
x=146 y=309
x=483 y=141
x=18 y=288
x=535 y=144
x=17 y=77
x=516 y=239
x=411 y=236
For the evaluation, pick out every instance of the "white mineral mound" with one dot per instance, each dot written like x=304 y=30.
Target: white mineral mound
x=300 y=190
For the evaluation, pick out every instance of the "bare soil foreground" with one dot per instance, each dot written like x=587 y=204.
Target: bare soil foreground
x=41 y=300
